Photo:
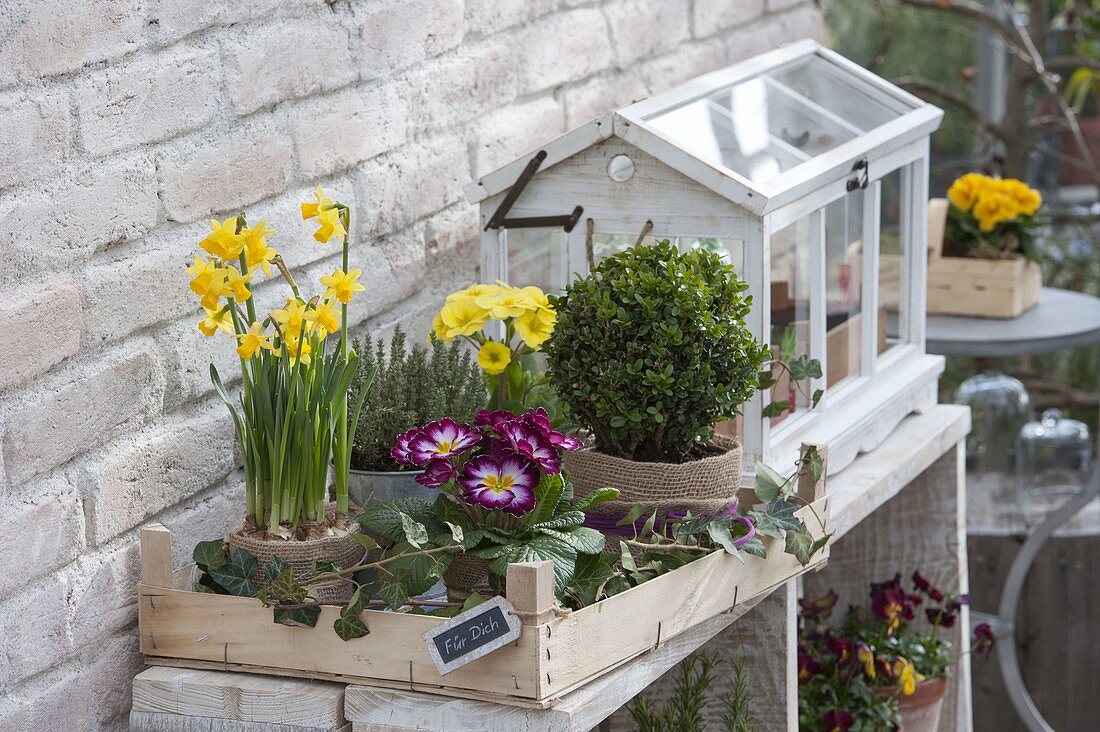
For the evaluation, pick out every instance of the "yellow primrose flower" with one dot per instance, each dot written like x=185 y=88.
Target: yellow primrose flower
x=253 y=341
x=257 y=253
x=463 y=317
x=1027 y=199
x=504 y=304
x=290 y=318
x=324 y=315
x=208 y=282
x=327 y=216
x=238 y=283
x=494 y=357
x=964 y=191
x=993 y=208
x=439 y=330
x=474 y=291
x=342 y=285
x=535 y=298
x=535 y=326
x=223 y=241
x=216 y=320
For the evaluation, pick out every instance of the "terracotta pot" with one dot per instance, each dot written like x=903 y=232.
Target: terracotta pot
x=920 y=711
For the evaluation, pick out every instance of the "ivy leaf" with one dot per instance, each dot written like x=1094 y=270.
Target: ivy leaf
x=456 y=533
x=472 y=600
x=818 y=393
x=236 y=577
x=349 y=625
x=596 y=497
x=274 y=568
x=777 y=518
x=819 y=544
x=776 y=409
x=591 y=571
x=632 y=515
x=769 y=483
x=415 y=532
x=299 y=617
x=323 y=566
x=364 y=541
x=285 y=587
x=583 y=539
x=720 y=534
x=814 y=463
x=805 y=367
x=412 y=575
x=755 y=547
x=626 y=558
x=210 y=555
x=799 y=543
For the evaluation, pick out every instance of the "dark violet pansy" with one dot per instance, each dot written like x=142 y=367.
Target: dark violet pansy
x=838 y=720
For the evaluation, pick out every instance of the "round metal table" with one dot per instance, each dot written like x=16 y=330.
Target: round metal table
x=1062 y=320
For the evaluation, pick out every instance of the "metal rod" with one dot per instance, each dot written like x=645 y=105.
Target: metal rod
x=516 y=189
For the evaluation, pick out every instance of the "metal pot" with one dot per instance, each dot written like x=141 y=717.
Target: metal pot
x=371 y=486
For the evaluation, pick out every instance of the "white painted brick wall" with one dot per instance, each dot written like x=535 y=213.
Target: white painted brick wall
x=124 y=125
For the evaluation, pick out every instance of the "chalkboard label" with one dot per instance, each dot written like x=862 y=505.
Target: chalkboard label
x=472 y=634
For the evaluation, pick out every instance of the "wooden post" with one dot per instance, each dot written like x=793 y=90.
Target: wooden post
x=531 y=590
x=808 y=489
x=156 y=556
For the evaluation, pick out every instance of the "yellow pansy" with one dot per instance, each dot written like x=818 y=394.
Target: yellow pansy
x=867 y=658
x=208 y=282
x=462 y=317
x=223 y=241
x=324 y=315
x=494 y=357
x=505 y=303
x=215 y=320
x=253 y=341
x=906 y=676
x=290 y=318
x=327 y=216
x=535 y=326
x=257 y=253
x=238 y=283
x=342 y=285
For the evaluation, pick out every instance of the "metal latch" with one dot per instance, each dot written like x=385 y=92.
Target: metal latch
x=859 y=181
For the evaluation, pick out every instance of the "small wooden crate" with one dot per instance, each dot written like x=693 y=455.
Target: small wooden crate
x=556 y=651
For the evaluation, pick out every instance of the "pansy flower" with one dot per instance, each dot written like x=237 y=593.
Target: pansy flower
x=926 y=587
x=436 y=473
x=444 y=438
x=984 y=640
x=506 y=483
x=808 y=667
x=838 y=720
x=819 y=607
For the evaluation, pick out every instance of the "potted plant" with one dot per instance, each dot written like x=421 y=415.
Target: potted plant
x=880 y=670
x=292 y=418
x=404 y=389
x=649 y=352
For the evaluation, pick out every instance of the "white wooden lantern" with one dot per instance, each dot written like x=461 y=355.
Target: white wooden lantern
x=809 y=173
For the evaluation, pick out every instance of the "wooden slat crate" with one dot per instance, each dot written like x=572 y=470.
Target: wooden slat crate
x=556 y=652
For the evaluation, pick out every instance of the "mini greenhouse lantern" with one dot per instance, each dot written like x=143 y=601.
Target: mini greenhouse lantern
x=808 y=173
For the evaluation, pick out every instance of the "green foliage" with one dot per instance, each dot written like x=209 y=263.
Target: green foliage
x=412 y=388
x=825 y=693
x=684 y=711
x=651 y=350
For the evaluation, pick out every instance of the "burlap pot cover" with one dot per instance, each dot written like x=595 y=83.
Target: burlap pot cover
x=467 y=575
x=341 y=549
x=703 y=487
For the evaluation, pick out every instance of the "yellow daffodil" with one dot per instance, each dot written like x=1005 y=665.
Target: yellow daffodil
x=324 y=316
x=327 y=215
x=494 y=357
x=505 y=303
x=462 y=317
x=257 y=253
x=253 y=341
x=238 y=283
x=223 y=241
x=298 y=354
x=215 y=320
x=291 y=318
x=535 y=326
x=342 y=285
x=208 y=282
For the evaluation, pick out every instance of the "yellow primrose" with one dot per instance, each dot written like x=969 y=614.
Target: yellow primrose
x=223 y=241
x=535 y=326
x=216 y=320
x=290 y=318
x=463 y=317
x=238 y=283
x=506 y=303
x=258 y=254
x=535 y=298
x=342 y=285
x=993 y=208
x=208 y=282
x=439 y=330
x=494 y=357
x=964 y=191
x=327 y=216
x=253 y=341
x=324 y=315
x=474 y=291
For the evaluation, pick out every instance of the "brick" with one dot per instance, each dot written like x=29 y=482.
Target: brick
x=486 y=17
x=62 y=702
x=45 y=37
x=603 y=94
x=148 y=100
x=508 y=133
x=400 y=33
x=41 y=323
x=756 y=38
x=804 y=21
x=207 y=176
x=412 y=182
x=333 y=135
x=59 y=227
x=460 y=87
x=37 y=628
x=79 y=409
x=34 y=135
x=43 y=526
x=644 y=28
x=269 y=65
x=136 y=478
x=563 y=47
x=712 y=16
x=205 y=516
x=173 y=19
x=293 y=237
x=189 y=354
x=451 y=228
x=778 y=6
x=689 y=62
x=114 y=663
x=102 y=593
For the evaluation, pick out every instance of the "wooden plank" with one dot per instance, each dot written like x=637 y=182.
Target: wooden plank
x=156 y=556
x=530 y=589
x=243 y=697
x=154 y=722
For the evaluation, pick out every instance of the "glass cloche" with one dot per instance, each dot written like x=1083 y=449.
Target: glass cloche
x=1053 y=453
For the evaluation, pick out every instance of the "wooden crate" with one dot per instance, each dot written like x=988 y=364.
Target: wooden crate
x=554 y=654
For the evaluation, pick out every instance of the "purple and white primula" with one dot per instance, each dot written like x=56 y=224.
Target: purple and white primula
x=444 y=438
x=503 y=482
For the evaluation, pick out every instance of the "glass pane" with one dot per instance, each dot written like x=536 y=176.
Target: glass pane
x=604 y=245
x=891 y=264
x=763 y=126
x=843 y=280
x=730 y=250
x=538 y=257
x=790 y=293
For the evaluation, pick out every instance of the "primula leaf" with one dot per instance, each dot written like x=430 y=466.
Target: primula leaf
x=350 y=625
x=210 y=555
x=414 y=531
x=384 y=519
x=799 y=543
x=547 y=496
x=236 y=577
x=299 y=617
x=562 y=521
x=596 y=497
x=581 y=538
x=769 y=483
x=540 y=548
x=720 y=534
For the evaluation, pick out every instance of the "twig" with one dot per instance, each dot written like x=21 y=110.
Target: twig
x=925 y=86
x=669 y=547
